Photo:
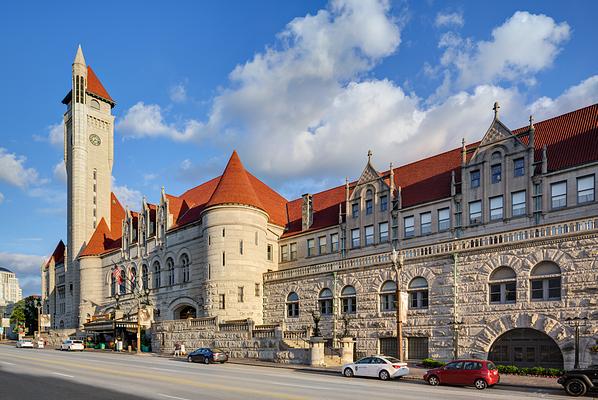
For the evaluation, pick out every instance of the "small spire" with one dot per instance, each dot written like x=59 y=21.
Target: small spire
x=79 y=59
x=531 y=122
x=369 y=155
x=463 y=152
x=495 y=108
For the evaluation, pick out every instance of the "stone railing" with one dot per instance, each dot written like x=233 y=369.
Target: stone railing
x=243 y=325
x=203 y=323
x=296 y=335
x=556 y=230
x=264 y=331
x=187 y=324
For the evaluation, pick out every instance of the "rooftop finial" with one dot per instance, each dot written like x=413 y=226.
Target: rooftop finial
x=79 y=59
x=531 y=122
x=369 y=155
x=495 y=108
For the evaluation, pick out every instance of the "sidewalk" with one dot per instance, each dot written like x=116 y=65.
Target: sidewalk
x=416 y=374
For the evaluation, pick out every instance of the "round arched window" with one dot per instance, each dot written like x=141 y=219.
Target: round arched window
x=503 y=285
x=545 y=281
x=418 y=293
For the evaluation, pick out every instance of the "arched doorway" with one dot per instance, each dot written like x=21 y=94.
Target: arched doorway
x=185 y=312
x=526 y=347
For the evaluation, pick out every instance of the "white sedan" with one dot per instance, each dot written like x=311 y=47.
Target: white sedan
x=25 y=343
x=71 y=345
x=382 y=367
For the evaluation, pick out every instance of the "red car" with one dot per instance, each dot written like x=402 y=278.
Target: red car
x=479 y=373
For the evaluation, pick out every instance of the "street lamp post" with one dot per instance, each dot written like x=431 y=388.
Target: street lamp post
x=139 y=295
x=397 y=264
x=576 y=322
x=457 y=325
x=38 y=305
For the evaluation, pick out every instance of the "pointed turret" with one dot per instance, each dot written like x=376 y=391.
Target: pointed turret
x=235 y=186
x=79 y=59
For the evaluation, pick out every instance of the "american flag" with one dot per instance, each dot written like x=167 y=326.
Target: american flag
x=116 y=274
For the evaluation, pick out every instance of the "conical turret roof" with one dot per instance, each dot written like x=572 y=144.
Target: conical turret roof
x=235 y=186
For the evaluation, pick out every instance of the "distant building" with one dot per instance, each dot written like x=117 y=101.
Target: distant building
x=10 y=292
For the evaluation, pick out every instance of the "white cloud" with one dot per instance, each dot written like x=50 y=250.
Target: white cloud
x=143 y=120
x=55 y=135
x=449 y=19
x=128 y=197
x=26 y=267
x=178 y=93
x=60 y=172
x=523 y=45
x=1 y=198
x=581 y=95
x=14 y=171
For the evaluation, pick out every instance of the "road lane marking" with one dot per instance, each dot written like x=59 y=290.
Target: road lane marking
x=165 y=369
x=58 y=373
x=172 y=397
x=7 y=363
x=172 y=380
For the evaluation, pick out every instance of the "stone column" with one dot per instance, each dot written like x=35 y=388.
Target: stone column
x=347 y=348
x=316 y=345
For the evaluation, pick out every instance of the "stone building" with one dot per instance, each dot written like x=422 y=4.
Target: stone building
x=495 y=242
x=10 y=291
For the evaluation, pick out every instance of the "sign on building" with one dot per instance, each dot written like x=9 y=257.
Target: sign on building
x=404 y=305
x=6 y=322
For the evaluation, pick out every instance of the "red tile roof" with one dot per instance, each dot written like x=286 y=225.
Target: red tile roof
x=57 y=255
x=104 y=238
x=95 y=86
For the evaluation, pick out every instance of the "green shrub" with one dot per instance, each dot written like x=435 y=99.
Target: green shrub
x=431 y=363
x=538 y=371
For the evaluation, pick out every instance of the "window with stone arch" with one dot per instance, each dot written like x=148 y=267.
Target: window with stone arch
x=157 y=271
x=170 y=270
x=122 y=287
x=349 y=300
x=95 y=104
x=369 y=202
x=388 y=296
x=293 y=305
x=133 y=278
x=325 y=301
x=185 y=267
x=545 y=282
x=418 y=293
x=144 y=277
x=502 y=286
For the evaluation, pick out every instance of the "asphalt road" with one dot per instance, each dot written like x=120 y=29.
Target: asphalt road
x=50 y=374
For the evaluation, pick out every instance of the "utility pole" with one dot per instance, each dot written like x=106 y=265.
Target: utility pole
x=576 y=322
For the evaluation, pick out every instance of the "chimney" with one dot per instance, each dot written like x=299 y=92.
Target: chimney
x=307 y=212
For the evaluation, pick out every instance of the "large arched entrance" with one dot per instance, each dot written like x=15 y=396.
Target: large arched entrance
x=526 y=347
x=185 y=312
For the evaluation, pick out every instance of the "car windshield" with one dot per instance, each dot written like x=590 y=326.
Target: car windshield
x=217 y=351
x=393 y=360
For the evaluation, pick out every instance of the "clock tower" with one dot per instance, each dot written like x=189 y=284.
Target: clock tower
x=88 y=156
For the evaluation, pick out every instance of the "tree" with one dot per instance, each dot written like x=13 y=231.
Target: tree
x=25 y=312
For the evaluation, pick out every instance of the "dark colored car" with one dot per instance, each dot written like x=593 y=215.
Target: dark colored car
x=479 y=373
x=578 y=381
x=207 y=356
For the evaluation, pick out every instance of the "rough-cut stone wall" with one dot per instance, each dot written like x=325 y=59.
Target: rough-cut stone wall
x=483 y=322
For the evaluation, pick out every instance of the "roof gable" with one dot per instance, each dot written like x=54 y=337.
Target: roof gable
x=95 y=86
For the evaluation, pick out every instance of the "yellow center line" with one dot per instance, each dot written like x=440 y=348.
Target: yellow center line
x=167 y=379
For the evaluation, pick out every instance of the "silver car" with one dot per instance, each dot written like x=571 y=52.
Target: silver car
x=379 y=366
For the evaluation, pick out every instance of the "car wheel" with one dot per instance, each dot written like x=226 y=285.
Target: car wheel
x=384 y=375
x=480 y=384
x=575 y=387
x=206 y=360
x=433 y=380
x=189 y=359
x=348 y=372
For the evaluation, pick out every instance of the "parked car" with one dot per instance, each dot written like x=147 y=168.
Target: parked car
x=383 y=367
x=479 y=373
x=578 y=381
x=207 y=356
x=72 y=345
x=25 y=343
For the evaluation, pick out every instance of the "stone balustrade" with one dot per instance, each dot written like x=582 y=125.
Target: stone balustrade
x=454 y=246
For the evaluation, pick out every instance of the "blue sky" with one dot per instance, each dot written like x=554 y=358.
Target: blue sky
x=301 y=89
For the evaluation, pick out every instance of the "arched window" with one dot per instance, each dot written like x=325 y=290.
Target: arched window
x=145 y=277
x=418 y=293
x=369 y=202
x=325 y=301
x=388 y=297
x=170 y=268
x=349 y=300
x=185 y=267
x=503 y=284
x=157 y=274
x=292 y=305
x=496 y=156
x=546 y=281
x=123 y=281
x=95 y=104
x=112 y=284
x=133 y=275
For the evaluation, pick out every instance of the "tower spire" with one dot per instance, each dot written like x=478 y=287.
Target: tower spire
x=79 y=59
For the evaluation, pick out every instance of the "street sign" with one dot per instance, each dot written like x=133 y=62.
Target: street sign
x=5 y=322
x=404 y=305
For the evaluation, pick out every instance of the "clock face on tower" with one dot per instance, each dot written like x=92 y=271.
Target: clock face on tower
x=95 y=139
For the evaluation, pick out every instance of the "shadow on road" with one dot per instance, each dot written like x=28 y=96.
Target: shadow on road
x=24 y=386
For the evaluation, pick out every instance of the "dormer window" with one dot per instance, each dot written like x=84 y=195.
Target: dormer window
x=383 y=203
x=496 y=170
x=518 y=167
x=95 y=104
x=475 y=178
x=369 y=208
